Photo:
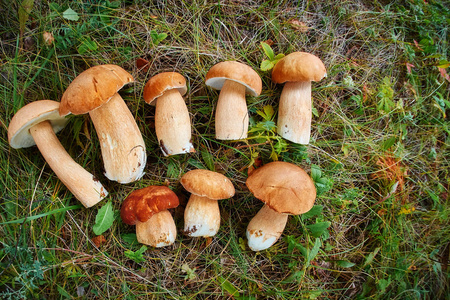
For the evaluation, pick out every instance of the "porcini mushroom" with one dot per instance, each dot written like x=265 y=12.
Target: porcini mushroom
x=286 y=189
x=37 y=124
x=202 y=214
x=95 y=91
x=234 y=80
x=296 y=70
x=147 y=208
x=172 y=122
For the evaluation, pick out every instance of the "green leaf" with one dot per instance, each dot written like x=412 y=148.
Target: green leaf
x=25 y=9
x=87 y=45
x=443 y=64
x=318 y=229
x=63 y=292
x=315 y=172
x=104 y=218
x=70 y=14
x=278 y=57
x=371 y=256
x=209 y=159
x=268 y=51
x=389 y=143
x=161 y=37
x=229 y=287
x=345 y=263
x=269 y=112
x=314 y=251
x=138 y=255
x=30 y=218
x=130 y=238
x=314 y=211
x=266 y=65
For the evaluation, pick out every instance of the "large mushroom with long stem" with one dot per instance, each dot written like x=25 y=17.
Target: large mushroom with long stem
x=172 y=122
x=95 y=91
x=147 y=208
x=286 y=189
x=37 y=124
x=234 y=80
x=202 y=214
x=297 y=70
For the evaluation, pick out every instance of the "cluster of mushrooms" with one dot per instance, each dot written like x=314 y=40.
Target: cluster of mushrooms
x=284 y=187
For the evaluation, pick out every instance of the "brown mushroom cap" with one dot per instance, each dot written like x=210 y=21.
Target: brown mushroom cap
x=31 y=114
x=298 y=66
x=205 y=183
x=92 y=88
x=141 y=204
x=234 y=71
x=284 y=187
x=162 y=82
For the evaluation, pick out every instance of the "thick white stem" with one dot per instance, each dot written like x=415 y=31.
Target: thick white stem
x=121 y=142
x=294 y=112
x=265 y=228
x=231 y=112
x=88 y=190
x=158 y=231
x=201 y=216
x=172 y=124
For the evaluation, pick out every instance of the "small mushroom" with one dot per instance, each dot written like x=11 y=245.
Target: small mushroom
x=234 y=80
x=286 y=189
x=297 y=69
x=172 y=122
x=37 y=124
x=202 y=214
x=94 y=91
x=147 y=208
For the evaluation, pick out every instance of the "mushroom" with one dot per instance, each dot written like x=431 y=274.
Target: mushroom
x=235 y=80
x=297 y=69
x=202 y=214
x=94 y=91
x=172 y=122
x=37 y=124
x=147 y=208
x=286 y=189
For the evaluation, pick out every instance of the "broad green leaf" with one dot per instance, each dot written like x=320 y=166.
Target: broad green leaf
x=87 y=45
x=278 y=57
x=104 y=218
x=389 y=143
x=315 y=172
x=209 y=159
x=268 y=51
x=318 y=229
x=161 y=37
x=266 y=65
x=345 y=263
x=371 y=256
x=138 y=255
x=268 y=110
x=70 y=14
x=314 y=211
x=229 y=287
x=314 y=251
x=443 y=64
x=130 y=238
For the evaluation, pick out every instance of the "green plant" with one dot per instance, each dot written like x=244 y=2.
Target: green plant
x=268 y=64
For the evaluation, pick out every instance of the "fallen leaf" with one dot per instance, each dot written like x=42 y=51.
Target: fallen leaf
x=142 y=64
x=48 y=38
x=409 y=67
x=444 y=74
x=269 y=42
x=99 y=240
x=298 y=25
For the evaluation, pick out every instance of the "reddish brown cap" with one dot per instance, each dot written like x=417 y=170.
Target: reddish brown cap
x=141 y=204
x=205 y=183
x=298 y=66
x=162 y=82
x=92 y=88
x=31 y=114
x=235 y=71
x=284 y=187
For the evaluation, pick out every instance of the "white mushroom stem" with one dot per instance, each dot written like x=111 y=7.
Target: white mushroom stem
x=231 y=112
x=158 y=231
x=201 y=216
x=88 y=190
x=172 y=124
x=121 y=142
x=294 y=112
x=265 y=228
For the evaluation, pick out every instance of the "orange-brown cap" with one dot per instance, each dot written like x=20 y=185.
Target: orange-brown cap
x=284 y=187
x=205 y=183
x=235 y=71
x=141 y=204
x=92 y=88
x=162 y=82
x=298 y=66
x=31 y=114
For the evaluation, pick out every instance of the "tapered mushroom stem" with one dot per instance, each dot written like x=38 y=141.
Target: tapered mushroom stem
x=294 y=113
x=172 y=124
x=231 y=112
x=121 y=142
x=158 y=231
x=201 y=216
x=88 y=190
x=265 y=228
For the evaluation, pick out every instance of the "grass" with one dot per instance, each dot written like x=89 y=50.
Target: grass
x=379 y=152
